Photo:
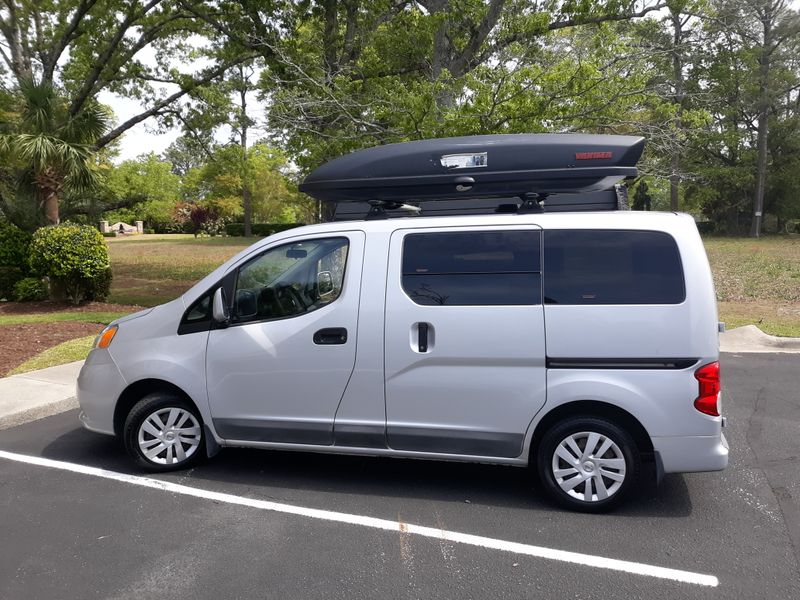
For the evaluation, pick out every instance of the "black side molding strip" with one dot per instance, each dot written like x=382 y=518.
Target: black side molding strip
x=621 y=363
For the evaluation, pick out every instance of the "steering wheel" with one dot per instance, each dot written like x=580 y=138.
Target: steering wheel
x=289 y=300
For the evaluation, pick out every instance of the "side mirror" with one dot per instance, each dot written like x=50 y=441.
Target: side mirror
x=324 y=284
x=246 y=305
x=219 y=308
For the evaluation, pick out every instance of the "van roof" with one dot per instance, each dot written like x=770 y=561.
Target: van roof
x=560 y=220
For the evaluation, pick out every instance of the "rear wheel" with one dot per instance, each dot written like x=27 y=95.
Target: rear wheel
x=163 y=432
x=588 y=464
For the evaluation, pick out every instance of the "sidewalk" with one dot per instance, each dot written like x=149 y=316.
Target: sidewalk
x=30 y=396
x=42 y=393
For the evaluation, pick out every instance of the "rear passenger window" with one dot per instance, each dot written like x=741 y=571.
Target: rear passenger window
x=473 y=268
x=612 y=267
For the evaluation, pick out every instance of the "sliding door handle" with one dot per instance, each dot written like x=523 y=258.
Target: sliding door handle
x=422 y=340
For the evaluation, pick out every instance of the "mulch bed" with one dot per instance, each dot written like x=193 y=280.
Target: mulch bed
x=18 y=343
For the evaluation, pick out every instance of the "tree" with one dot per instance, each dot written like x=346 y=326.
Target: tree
x=49 y=147
x=188 y=152
x=728 y=157
x=219 y=184
x=80 y=48
x=146 y=188
x=641 y=197
x=771 y=31
x=346 y=71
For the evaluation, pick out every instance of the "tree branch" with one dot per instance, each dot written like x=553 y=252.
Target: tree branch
x=66 y=38
x=503 y=43
x=209 y=76
x=464 y=61
x=91 y=80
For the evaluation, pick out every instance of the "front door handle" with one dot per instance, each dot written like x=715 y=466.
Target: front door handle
x=330 y=336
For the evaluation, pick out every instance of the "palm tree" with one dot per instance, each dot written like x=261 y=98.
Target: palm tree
x=50 y=148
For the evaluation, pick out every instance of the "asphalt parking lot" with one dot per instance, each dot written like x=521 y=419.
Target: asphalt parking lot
x=245 y=526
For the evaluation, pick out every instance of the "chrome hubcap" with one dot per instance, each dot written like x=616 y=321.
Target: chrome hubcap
x=588 y=466
x=169 y=436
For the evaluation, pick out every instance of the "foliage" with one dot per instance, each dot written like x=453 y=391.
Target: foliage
x=30 y=289
x=47 y=148
x=143 y=189
x=9 y=276
x=14 y=244
x=207 y=217
x=74 y=257
x=100 y=287
x=260 y=229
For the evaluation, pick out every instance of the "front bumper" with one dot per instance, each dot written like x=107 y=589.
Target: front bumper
x=100 y=384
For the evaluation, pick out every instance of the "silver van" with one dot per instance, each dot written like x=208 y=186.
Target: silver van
x=579 y=343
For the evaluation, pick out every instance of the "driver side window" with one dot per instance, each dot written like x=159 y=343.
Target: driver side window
x=291 y=279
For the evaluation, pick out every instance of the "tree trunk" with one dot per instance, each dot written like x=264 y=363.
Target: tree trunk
x=50 y=208
x=761 y=175
x=247 y=205
x=677 y=71
x=763 y=122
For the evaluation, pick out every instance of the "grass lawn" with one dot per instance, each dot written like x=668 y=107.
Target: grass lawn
x=758 y=282
x=61 y=354
x=152 y=269
x=61 y=317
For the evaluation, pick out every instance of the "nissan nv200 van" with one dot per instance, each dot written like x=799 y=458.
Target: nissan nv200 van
x=483 y=300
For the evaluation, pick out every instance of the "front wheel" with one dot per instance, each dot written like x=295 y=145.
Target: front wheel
x=163 y=433
x=588 y=464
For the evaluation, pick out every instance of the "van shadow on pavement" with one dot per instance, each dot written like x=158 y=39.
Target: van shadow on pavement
x=297 y=477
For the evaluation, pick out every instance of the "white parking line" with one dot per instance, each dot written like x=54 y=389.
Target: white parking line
x=588 y=560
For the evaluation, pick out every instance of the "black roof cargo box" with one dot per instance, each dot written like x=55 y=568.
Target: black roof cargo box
x=483 y=166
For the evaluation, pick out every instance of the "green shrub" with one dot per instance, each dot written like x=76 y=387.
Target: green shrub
x=705 y=227
x=99 y=288
x=14 y=243
x=74 y=257
x=149 y=231
x=30 y=289
x=110 y=234
x=9 y=276
x=260 y=229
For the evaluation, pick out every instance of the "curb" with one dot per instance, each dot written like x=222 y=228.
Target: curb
x=750 y=338
x=37 y=394
x=38 y=412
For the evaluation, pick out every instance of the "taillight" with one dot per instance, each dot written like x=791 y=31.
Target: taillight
x=709 y=386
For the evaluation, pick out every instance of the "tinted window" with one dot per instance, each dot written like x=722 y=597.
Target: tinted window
x=611 y=267
x=290 y=280
x=200 y=310
x=472 y=268
x=198 y=317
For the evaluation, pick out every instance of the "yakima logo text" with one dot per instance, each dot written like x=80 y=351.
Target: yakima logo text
x=591 y=155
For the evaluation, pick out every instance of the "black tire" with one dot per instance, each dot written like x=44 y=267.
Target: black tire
x=579 y=429
x=161 y=405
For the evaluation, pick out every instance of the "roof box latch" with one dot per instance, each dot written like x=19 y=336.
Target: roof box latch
x=464 y=184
